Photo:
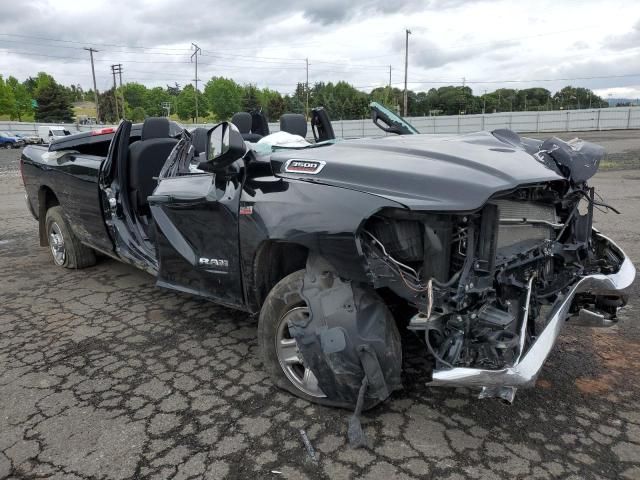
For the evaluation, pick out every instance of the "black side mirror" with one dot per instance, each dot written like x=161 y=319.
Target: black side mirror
x=224 y=146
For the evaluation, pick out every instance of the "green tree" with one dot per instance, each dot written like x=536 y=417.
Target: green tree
x=137 y=114
x=134 y=94
x=224 y=97
x=21 y=99
x=250 y=100
x=53 y=103
x=275 y=108
x=7 y=99
x=153 y=100
x=107 y=106
x=187 y=104
x=42 y=80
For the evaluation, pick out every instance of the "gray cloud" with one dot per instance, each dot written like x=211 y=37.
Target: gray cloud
x=626 y=40
x=353 y=41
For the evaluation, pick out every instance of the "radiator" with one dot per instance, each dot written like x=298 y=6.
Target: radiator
x=524 y=222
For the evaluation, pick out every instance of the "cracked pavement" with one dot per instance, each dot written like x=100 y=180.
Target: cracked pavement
x=103 y=375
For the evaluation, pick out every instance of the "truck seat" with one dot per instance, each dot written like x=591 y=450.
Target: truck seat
x=146 y=158
x=294 y=123
x=244 y=122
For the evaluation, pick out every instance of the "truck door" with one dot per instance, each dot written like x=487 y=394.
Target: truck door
x=196 y=222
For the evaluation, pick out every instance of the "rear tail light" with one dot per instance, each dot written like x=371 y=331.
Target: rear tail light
x=103 y=131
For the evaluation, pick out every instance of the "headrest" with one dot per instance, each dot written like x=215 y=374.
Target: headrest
x=199 y=139
x=242 y=120
x=294 y=123
x=155 y=127
x=259 y=124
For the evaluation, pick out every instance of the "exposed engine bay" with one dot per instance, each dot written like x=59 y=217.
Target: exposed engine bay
x=479 y=280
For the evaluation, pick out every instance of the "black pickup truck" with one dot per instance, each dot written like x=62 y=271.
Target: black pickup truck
x=480 y=245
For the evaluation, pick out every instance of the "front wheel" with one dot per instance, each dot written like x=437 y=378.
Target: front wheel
x=278 y=348
x=66 y=249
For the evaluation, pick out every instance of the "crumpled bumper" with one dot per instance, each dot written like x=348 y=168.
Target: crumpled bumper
x=503 y=383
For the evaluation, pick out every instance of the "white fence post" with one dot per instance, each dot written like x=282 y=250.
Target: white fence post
x=598 y=119
x=629 y=118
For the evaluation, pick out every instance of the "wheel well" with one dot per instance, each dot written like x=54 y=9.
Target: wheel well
x=46 y=200
x=273 y=262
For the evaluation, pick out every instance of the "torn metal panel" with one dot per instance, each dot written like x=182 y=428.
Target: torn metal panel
x=348 y=334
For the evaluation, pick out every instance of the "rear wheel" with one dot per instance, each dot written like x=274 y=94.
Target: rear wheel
x=66 y=249
x=7 y=146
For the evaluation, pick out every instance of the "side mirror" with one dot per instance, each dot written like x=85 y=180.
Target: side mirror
x=225 y=145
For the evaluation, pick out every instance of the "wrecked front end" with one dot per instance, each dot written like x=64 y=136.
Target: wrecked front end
x=488 y=289
x=492 y=288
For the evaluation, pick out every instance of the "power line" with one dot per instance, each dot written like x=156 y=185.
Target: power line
x=595 y=77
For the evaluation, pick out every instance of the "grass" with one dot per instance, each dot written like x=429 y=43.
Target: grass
x=84 y=108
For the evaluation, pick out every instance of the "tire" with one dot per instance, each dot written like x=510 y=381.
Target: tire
x=283 y=299
x=7 y=146
x=66 y=250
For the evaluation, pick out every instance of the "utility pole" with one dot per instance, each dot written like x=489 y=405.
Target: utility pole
x=484 y=101
x=93 y=74
x=119 y=72
x=389 y=76
x=115 y=91
x=195 y=54
x=307 y=89
x=406 y=68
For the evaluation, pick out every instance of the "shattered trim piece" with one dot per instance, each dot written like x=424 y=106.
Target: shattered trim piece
x=525 y=372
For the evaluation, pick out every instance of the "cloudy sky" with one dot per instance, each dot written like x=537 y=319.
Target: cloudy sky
x=491 y=44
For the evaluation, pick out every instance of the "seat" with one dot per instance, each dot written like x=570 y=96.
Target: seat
x=294 y=123
x=146 y=158
x=321 y=125
x=259 y=124
x=243 y=121
x=199 y=140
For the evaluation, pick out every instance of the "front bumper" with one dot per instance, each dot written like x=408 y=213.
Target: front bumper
x=504 y=382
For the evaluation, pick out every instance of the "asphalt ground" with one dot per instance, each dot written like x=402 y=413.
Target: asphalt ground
x=103 y=375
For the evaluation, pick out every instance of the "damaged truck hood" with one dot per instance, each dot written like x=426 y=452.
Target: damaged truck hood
x=422 y=172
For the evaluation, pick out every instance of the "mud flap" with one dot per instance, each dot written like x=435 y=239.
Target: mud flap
x=350 y=340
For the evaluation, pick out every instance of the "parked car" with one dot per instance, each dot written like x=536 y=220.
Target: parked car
x=481 y=245
x=9 y=140
x=52 y=132
x=29 y=139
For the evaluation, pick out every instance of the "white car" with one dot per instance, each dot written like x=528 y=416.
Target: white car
x=51 y=132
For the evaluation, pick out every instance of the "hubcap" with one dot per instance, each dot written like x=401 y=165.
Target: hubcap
x=56 y=242
x=290 y=358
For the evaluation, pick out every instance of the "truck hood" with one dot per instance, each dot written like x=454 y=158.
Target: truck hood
x=423 y=172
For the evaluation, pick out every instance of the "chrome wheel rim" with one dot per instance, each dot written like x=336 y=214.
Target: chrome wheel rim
x=56 y=242
x=290 y=358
